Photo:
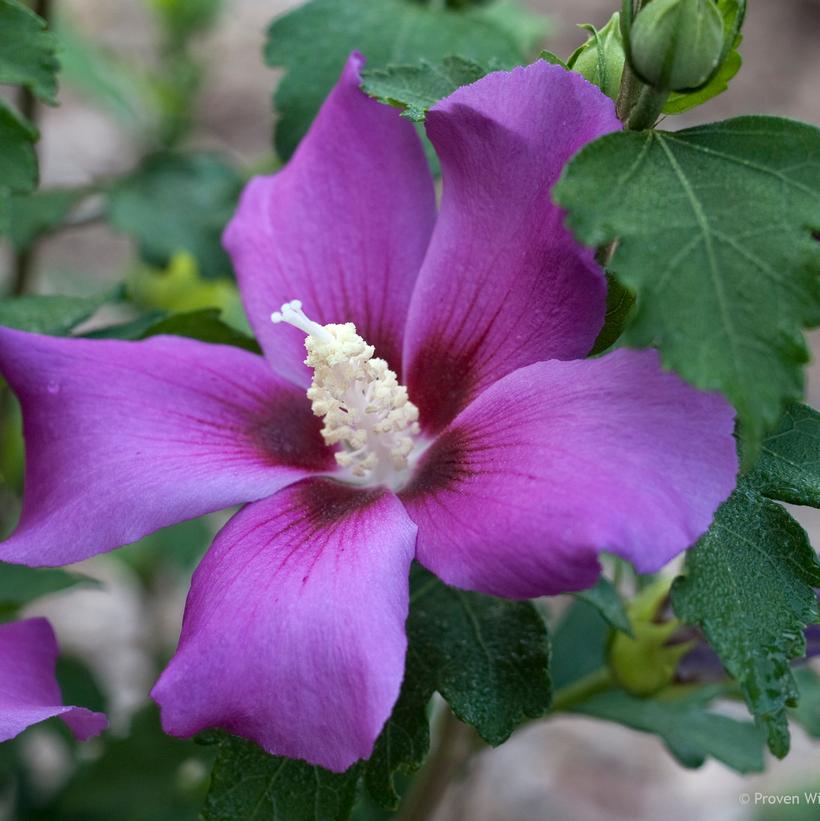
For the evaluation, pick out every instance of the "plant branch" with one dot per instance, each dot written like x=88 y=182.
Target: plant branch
x=456 y=744
x=579 y=691
x=96 y=217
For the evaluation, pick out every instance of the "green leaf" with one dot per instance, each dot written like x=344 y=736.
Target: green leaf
x=761 y=604
x=18 y=161
x=619 y=304
x=27 y=59
x=178 y=202
x=251 y=785
x=488 y=657
x=35 y=214
x=691 y=732
x=807 y=712
x=579 y=642
x=54 y=315
x=20 y=585
x=204 y=325
x=313 y=41
x=416 y=88
x=605 y=599
x=132 y=329
x=27 y=51
x=553 y=59
x=789 y=465
x=405 y=739
x=749 y=584
x=180 y=546
x=526 y=29
x=723 y=287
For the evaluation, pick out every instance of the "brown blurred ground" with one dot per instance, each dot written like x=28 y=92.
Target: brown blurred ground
x=570 y=769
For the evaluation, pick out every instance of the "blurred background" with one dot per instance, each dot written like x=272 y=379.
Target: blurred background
x=571 y=769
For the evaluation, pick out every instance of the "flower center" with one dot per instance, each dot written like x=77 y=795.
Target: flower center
x=365 y=409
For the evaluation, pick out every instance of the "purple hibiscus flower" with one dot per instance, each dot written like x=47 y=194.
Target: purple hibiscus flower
x=29 y=692
x=505 y=465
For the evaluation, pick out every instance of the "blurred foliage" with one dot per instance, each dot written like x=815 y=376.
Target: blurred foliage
x=807 y=711
x=179 y=287
x=183 y=19
x=178 y=202
x=106 y=79
x=144 y=776
x=19 y=585
x=33 y=215
x=18 y=162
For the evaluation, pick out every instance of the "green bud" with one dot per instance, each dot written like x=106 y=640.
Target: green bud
x=644 y=663
x=601 y=58
x=677 y=45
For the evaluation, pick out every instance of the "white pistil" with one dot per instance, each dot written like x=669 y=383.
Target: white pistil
x=365 y=409
x=292 y=313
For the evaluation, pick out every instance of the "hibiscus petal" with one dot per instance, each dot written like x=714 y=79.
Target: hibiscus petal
x=123 y=438
x=29 y=692
x=503 y=284
x=294 y=628
x=561 y=460
x=343 y=227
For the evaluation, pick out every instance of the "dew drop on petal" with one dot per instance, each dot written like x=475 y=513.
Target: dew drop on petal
x=53 y=387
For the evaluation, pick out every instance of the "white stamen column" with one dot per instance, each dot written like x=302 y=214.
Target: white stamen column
x=364 y=408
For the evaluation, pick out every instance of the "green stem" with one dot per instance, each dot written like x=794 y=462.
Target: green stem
x=455 y=746
x=641 y=110
x=456 y=743
x=579 y=691
x=638 y=105
x=605 y=253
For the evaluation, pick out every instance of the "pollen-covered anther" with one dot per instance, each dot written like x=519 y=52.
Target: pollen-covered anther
x=365 y=409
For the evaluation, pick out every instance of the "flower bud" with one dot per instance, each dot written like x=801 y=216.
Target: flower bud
x=676 y=45
x=646 y=662
x=601 y=58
